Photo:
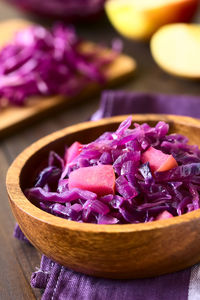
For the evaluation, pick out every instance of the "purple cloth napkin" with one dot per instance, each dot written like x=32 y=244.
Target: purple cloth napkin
x=61 y=283
x=122 y=102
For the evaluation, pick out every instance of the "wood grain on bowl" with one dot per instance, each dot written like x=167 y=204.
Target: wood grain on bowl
x=13 y=117
x=111 y=251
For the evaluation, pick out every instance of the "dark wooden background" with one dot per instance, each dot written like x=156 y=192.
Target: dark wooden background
x=18 y=260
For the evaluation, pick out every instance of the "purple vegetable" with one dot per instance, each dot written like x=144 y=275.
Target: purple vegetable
x=55 y=160
x=107 y=219
x=47 y=62
x=125 y=188
x=146 y=173
x=67 y=196
x=49 y=176
x=187 y=173
x=140 y=195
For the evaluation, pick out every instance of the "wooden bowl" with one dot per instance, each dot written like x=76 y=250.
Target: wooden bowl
x=110 y=251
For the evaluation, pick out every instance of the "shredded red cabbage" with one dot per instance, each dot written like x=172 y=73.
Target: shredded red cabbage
x=140 y=194
x=48 y=62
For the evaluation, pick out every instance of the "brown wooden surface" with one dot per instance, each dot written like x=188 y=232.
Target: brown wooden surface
x=146 y=241
x=17 y=260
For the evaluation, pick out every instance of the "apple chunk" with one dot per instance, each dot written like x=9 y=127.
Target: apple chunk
x=164 y=215
x=99 y=179
x=158 y=161
x=176 y=49
x=139 y=19
x=73 y=151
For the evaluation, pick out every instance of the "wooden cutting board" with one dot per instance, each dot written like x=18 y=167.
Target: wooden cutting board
x=11 y=118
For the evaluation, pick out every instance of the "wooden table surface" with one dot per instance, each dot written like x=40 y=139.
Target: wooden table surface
x=18 y=260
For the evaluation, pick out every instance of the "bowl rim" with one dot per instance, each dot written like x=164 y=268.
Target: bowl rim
x=17 y=196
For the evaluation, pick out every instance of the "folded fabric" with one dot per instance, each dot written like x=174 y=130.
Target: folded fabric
x=122 y=102
x=61 y=283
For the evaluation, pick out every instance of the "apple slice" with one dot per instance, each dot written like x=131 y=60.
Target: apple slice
x=139 y=19
x=98 y=179
x=176 y=49
x=158 y=161
x=164 y=215
x=73 y=151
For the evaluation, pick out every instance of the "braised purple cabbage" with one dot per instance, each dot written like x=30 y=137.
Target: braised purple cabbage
x=140 y=194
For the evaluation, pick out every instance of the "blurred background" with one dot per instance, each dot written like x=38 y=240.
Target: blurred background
x=134 y=25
